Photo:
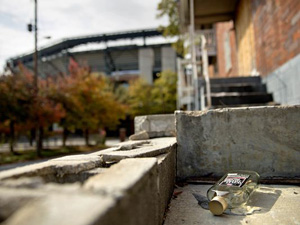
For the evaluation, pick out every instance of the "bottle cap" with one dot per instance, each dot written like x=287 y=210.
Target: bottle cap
x=217 y=205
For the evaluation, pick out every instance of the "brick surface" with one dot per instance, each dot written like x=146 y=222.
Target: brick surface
x=221 y=29
x=277 y=32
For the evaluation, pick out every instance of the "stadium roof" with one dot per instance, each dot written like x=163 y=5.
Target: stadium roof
x=72 y=42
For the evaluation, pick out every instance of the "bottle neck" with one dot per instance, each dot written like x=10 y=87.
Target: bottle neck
x=218 y=205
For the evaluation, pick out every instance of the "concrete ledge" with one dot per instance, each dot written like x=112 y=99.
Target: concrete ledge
x=57 y=167
x=132 y=183
x=76 y=209
x=263 y=139
x=85 y=189
x=166 y=180
x=147 y=149
x=155 y=125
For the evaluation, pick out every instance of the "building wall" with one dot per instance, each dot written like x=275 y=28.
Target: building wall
x=245 y=38
x=168 y=59
x=226 y=50
x=146 y=62
x=284 y=82
x=277 y=33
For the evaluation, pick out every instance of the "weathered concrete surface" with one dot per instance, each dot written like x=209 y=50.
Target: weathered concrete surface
x=142 y=135
x=263 y=139
x=155 y=125
x=64 y=208
x=279 y=205
x=149 y=149
x=11 y=200
x=166 y=179
x=57 y=167
x=62 y=191
x=133 y=185
x=57 y=170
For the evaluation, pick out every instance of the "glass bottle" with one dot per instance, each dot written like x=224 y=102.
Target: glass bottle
x=232 y=190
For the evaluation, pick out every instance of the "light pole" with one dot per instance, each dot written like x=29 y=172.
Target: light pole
x=30 y=28
x=35 y=70
x=35 y=49
x=37 y=129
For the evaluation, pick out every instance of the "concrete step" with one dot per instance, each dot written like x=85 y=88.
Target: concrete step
x=245 y=105
x=238 y=87
x=231 y=80
x=236 y=98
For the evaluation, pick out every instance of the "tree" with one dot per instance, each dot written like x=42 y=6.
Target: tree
x=153 y=99
x=15 y=101
x=23 y=108
x=88 y=101
x=169 y=8
x=139 y=98
x=45 y=111
x=164 y=93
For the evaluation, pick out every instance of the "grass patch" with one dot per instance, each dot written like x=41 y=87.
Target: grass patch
x=29 y=155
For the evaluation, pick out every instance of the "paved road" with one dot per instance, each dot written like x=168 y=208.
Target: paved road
x=56 y=142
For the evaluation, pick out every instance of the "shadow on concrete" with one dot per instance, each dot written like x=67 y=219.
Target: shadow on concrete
x=264 y=198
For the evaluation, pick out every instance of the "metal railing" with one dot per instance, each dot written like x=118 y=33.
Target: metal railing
x=211 y=44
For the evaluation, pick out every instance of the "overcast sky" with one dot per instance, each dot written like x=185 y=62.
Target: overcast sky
x=67 y=18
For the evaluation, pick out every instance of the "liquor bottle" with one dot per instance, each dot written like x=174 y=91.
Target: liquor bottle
x=232 y=190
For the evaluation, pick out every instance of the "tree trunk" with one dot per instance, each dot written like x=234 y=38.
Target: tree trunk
x=39 y=146
x=65 y=136
x=31 y=136
x=12 y=136
x=86 y=136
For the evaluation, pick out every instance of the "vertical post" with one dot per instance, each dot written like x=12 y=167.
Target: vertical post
x=202 y=97
x=205 y=69
x=38 y=128
x=35 y=49
x=193 y=55
x=179 y=84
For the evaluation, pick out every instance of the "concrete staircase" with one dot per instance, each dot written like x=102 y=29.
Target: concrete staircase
x=239 y=92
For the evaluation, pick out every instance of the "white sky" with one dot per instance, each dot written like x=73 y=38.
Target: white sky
x=67 y=18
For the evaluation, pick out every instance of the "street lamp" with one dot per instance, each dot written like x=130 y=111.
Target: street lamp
x=30 y=28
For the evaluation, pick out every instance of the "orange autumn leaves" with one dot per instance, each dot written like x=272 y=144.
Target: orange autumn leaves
x=79 y=100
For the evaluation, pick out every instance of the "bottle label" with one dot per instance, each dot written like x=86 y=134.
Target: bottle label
x=235 y=179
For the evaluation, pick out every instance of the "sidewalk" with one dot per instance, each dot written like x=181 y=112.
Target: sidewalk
x=110 y=142
x=277 y=204
x=56 y=143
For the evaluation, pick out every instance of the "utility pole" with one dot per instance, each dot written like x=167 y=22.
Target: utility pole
x=35 y=56
x=38 y=131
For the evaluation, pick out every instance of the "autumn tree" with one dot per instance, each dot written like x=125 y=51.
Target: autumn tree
x=169 y=9
x=23 y=108
x=45 y=111
x=15 y=101
x=88 y=101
